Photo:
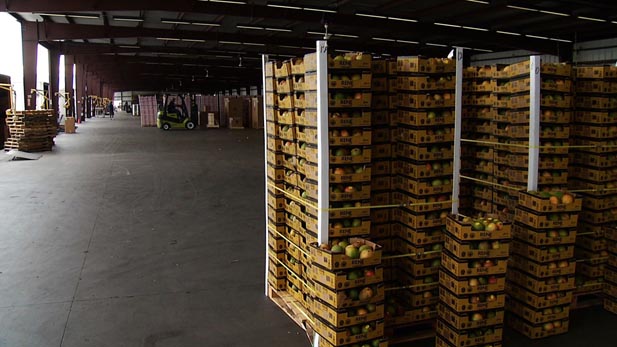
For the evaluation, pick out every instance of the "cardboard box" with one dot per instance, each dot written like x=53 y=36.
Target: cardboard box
x=340 y=337
x=536 y=332
x=406 y=64
x=464 y=322
x=69 y=125
x=417 y=252
x=422 y=153
x=469 y=250
x=564 y=220
x=466 y=268
x=421 y=187
x=535 y=316
x=363 y=138
x=426 y=101
x=346 y=317
x=543 y=254
x=541 y=286
x=598 y=72
x=418 y=237
x=461 y=286
x=341 y=298
x=420 y=204
x=539 y=301
x=418 y=220
x=544 y=237
x=282 y=69
x=462 y=230
x=462 y=338
x=297 y=66
x=466 y=303
x=338 y=280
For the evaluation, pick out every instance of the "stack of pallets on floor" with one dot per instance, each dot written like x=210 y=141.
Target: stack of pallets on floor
x=31 y=131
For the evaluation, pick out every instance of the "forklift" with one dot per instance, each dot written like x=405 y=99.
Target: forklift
x=172 y=117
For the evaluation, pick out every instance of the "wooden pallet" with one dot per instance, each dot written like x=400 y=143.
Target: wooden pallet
x=405 y=334
x=582 y=300
x=293 y=309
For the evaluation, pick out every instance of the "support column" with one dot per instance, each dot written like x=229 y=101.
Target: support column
x=80 y=91
x=69 y=60
x=54 y=80
x=30 y=44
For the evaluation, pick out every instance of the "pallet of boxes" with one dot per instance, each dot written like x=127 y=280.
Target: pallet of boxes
x=422 y=186
x=346 y=272
x=472 y=282
x=31 y=131
x=594 y=171
x=383 y=123
x=542 y=266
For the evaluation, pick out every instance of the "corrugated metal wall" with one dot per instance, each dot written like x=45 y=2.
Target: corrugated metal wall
x=508 y=57
x=596 y=52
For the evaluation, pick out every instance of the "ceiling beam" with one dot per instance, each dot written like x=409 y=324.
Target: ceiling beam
x=413 y=31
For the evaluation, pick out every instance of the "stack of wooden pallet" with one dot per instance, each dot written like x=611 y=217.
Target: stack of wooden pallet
x=31 y=131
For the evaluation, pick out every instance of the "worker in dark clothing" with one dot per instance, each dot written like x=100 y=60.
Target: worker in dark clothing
x=171 y=107
x=111 y=110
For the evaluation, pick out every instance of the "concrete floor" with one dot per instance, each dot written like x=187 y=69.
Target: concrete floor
x=129 y=236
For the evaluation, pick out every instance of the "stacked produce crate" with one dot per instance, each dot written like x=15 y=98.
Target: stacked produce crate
x=31 y=131
x=610 y=273
x=472 y=282
x=348 y=288
x=277 y=276
x=477 y=157
x=348 y=308
x=422 y=184
x=594 y=169
x=541 y=274
x=383 y=116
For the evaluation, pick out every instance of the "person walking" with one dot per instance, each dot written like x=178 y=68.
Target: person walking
x=111 y=110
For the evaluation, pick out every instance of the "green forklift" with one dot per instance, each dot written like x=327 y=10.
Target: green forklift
x=172 y=117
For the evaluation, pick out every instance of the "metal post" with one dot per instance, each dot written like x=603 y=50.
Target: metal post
x=534 y=122
x=264 y=60
x=323 y=158
x=323 y=148
x=458 y=116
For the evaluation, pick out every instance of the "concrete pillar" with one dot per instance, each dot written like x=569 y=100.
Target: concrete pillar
x=54 y=80
x=69 y=60
x=30 y=44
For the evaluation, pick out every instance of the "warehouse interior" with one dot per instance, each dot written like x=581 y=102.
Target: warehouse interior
x=121 y=234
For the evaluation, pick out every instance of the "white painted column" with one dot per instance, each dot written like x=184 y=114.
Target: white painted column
x=534 y=122
x=458 y=122
x=264 y=60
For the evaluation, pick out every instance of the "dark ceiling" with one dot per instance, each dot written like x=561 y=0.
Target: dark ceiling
x=216 y=44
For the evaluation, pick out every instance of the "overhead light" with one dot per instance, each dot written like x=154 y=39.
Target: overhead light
x=292 y=47
x=474 y=28
x=560 y=40
x=193 y=40
x=230 y=42
x=345 y=35
x=405 y=41
x=206 y=24
x=343 y=51
x=278 y=29
x=592 y=19
x=508 y=33
x=128 y=19
x=318 y=10
x=312 y=9
x=522 y=8
x=403 y=19
x=131 y=47
x=447 y=25
x=482 y=50
x=315 y=33
x=285 y=6
x=84 y=16
x=253 y=44
x=435 y=44
x=249 y=27
x=386 y=54
x=614 y=22
x=173 y=21
x=167 y=39
x=537 y=37
x=555 y=13
x=308 y=48
x=479 y=2
x=383 y=39
x=371 y=15
x=223 y=56
x=226 y=2
x=52 y=14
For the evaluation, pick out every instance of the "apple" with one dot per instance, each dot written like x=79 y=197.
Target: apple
x=356 y=152
x=476 y=317
x=473 y=282
x=492 y=280
x=488 y=263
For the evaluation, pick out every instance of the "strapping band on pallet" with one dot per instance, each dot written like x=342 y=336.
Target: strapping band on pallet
x=591 y=259
x=398 y=256
x=296 y=276
x=372 y=207
x=288 y=240
x=492 y=183
x=490 y=143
